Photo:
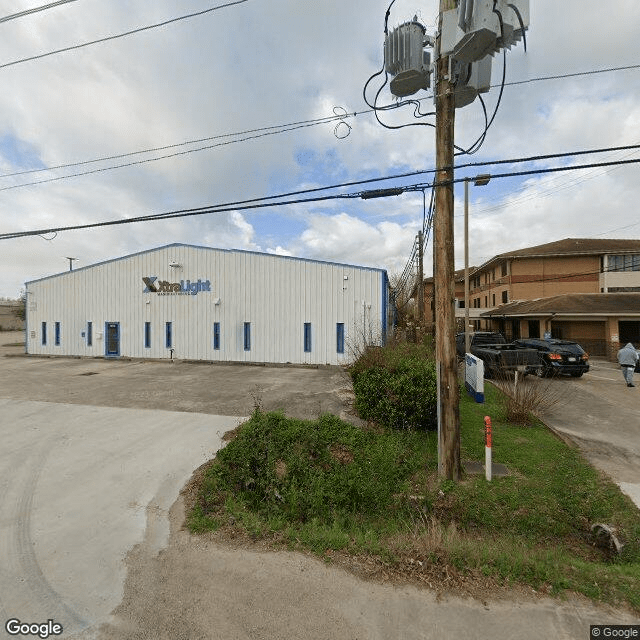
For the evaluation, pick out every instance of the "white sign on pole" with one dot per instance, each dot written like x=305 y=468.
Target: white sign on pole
x=474 y=377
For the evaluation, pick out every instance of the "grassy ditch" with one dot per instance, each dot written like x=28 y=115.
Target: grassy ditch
x=373 y=495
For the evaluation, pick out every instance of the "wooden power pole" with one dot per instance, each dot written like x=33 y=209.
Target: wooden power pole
x=449 y=409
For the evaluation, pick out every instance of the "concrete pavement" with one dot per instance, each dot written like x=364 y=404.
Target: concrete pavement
x=602 y=416
x=80 y=486
x=83 y=482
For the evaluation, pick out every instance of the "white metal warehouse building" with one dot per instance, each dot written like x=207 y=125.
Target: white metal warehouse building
x=200 y=303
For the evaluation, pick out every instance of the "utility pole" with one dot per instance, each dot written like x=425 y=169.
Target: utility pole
x=449 y=409
x=420 y=278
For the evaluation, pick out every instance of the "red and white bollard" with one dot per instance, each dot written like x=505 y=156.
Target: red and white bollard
x=487 y=448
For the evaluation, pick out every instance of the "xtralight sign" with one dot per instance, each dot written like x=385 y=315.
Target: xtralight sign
x=182 y=288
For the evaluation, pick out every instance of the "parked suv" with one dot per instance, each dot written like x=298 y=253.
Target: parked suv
x=558 y=356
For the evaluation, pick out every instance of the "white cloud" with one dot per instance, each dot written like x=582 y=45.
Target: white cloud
x=265 y=63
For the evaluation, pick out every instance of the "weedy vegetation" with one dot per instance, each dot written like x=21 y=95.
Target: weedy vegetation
x=373 y=494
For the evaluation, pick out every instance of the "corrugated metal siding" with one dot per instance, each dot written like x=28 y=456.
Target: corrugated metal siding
x=277 y=295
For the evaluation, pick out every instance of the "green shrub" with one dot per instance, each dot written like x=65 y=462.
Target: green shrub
x=396 y=386
x=298 y=471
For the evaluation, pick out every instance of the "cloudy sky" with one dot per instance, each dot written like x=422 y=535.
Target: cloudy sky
x=228 y=75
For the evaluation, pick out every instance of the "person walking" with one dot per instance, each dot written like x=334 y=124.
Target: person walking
x=628 y=358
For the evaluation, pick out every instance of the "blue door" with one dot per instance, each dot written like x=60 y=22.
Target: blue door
x=112 y=339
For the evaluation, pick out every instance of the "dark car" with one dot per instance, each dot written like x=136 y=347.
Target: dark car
x=558 y=357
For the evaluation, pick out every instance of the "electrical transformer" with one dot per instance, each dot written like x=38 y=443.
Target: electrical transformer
x=406 y=59
x=478 y=28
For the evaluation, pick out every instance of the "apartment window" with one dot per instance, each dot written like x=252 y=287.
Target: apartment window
x=147 y=335
x=307 y=337
x=504 y=269
x=216 y=336
x=56 y=334
x=340 y=337
x=89 y=334
x=505 y=297
x=168 y=335
x=44 y=333
x=247 y=336
x=624 y=263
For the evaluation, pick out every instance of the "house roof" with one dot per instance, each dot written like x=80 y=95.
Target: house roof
x=570 y=247
x=587 y=304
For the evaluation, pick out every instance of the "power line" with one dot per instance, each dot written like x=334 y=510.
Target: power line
x=163 y=157
x=120 y=35
x=571 y=75
x=323 y=120
x=265 y=132
x=258 y=203
x=180 y=213
x=28 y=12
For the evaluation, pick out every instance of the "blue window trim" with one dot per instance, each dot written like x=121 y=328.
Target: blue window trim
x=340 y=337
x=307 y=337
x=216 y=336
x=43 y=334
x=168 y=335
x=89 y=334
x=147 y=335
x=56 y=334
x=247 y=336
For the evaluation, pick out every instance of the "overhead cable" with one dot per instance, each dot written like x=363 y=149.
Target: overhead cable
x=120 y=35
x=304 y=124
x=27 y=12
x=258 y=203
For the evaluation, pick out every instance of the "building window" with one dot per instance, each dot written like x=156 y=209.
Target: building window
x=147 y=335
x=56 y=334
x=629 y=262
x=307 y=337
x=340 y=337
x=486 y=301
x=247 y=336
x=44 y=333
x=505 y=297
x=216 y=336
x=89 y=334
x=504 y=269
x=168 y=335
x=494 y=299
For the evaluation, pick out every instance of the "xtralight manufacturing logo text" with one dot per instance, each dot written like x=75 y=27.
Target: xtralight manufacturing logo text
x=163 y=287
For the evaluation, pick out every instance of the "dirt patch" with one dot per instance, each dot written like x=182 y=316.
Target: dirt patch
x=341 y=453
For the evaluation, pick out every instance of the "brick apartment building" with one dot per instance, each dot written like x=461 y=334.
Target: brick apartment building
x=555 y=272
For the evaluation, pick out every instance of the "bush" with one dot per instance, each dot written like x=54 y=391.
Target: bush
x=297 y=471
x=526 y=400
x=396 y=386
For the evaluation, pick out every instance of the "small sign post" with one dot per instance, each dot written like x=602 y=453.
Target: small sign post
x=487 y=448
